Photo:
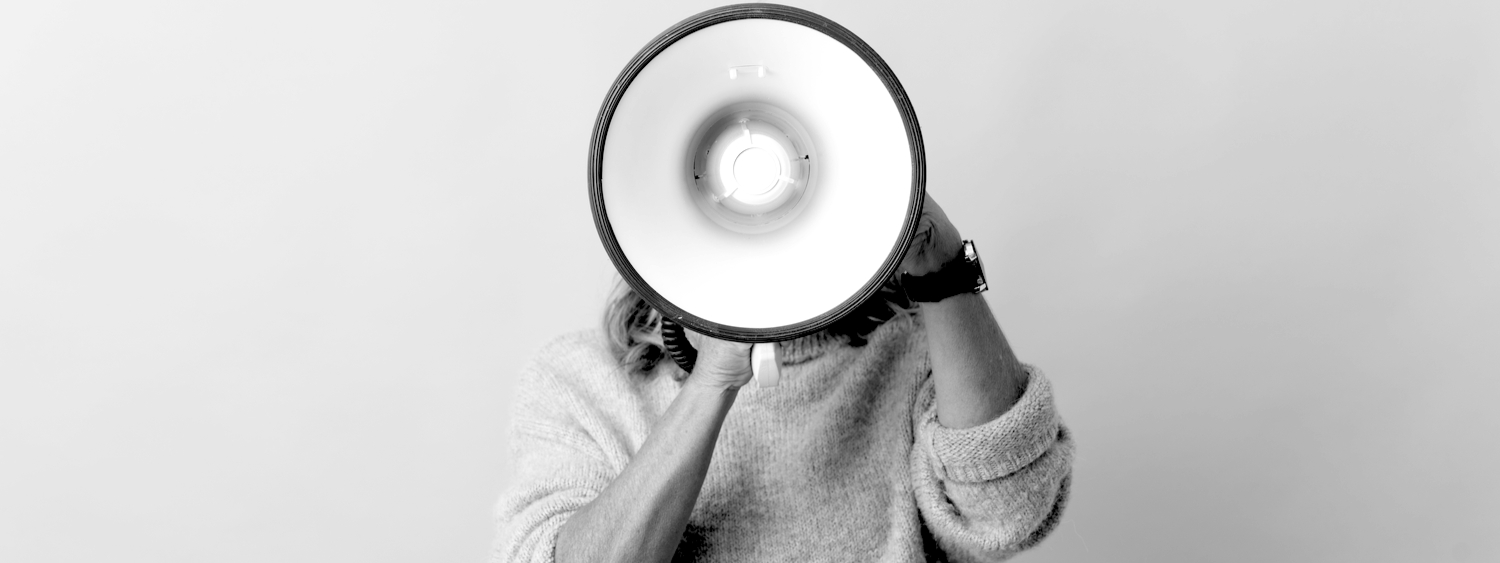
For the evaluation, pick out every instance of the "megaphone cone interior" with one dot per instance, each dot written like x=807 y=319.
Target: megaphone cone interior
x=756 y=172
x=753 y=168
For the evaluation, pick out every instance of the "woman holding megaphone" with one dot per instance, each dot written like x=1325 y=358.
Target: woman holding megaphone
x=907 y=432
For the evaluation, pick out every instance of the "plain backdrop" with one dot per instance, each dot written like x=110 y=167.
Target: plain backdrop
x=268 y=269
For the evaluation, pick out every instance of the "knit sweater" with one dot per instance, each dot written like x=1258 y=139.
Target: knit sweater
x=844 y=460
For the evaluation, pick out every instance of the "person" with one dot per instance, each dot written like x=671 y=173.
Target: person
x=907 y=432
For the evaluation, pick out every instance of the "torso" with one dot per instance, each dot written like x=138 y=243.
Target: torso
x=816 y=468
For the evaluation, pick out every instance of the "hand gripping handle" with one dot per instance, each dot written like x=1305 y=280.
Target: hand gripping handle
x=762 y=355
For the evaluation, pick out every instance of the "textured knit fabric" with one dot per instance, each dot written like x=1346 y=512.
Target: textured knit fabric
x=843 y=461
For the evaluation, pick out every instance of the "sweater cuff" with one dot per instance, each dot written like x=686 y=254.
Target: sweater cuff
x=1001 y=446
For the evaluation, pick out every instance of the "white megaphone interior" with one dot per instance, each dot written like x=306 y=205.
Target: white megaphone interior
x=805 y=268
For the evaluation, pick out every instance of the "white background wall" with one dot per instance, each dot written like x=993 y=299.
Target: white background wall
x=267 y=270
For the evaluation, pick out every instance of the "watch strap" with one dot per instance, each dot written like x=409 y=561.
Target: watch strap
x=958 y=276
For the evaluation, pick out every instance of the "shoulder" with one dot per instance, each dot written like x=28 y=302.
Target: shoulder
x=575 y=357
x=580 y=346
x=575 y=373
x=574 y=391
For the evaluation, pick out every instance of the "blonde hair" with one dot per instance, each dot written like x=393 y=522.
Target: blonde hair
x=633 y=330
x=632 y=327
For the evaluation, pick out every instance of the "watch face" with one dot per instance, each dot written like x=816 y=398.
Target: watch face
x=971 y=254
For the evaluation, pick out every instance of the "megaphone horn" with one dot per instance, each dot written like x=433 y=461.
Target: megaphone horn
x=756 y=173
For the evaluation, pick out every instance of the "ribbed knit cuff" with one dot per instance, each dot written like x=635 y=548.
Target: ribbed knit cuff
x=1001 y=446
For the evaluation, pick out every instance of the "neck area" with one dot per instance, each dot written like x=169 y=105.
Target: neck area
x=792 y=352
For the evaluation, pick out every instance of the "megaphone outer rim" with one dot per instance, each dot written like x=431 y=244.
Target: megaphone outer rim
x=726 y=14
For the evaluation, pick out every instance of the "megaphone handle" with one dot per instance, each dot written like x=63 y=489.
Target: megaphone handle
x=763 y=364
x=676 y=343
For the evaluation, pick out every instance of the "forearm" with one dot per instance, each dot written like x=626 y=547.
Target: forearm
x=976 y=377
x=641 y=515
x=989 y=491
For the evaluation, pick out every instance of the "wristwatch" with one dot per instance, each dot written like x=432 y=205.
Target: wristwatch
x=964 y=274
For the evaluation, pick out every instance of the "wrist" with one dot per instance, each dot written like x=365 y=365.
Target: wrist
x=954 y=303
x=709 y=390
x=962 y=274
x=697 y=411
x=934 y=257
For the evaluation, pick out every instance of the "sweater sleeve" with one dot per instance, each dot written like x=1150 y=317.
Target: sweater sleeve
x=559 y=469
x=991 y=491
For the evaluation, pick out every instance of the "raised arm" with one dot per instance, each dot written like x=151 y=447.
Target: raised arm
x=977 y=377
x=641 y=515
x=572 y=506
x=992 y=461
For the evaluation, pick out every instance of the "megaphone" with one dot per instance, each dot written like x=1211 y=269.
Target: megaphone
x=756 y=173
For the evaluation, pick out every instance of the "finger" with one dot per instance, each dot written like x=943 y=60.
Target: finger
x=705 y=342
x=735 y=349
